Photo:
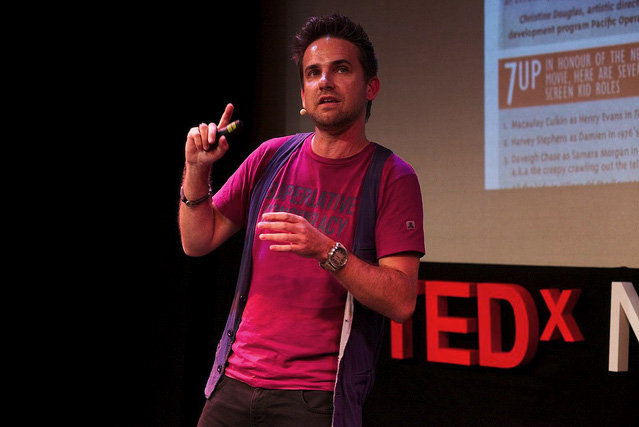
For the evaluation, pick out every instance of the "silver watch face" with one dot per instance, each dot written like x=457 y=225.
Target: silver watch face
x=339 y=256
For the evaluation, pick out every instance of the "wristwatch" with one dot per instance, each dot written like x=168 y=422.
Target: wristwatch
x=337 y=258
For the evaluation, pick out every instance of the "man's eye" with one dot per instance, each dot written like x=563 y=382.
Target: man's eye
x=342 y=70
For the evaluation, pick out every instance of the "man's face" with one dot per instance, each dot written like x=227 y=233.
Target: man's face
x=335 y=92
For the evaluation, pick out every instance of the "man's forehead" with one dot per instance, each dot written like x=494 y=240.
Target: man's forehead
x=330 y=49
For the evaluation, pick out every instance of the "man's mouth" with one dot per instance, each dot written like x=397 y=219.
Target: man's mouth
x=328 y=100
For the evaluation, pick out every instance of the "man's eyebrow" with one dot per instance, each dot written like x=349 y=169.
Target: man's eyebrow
x=340 y=62
x=333 y=63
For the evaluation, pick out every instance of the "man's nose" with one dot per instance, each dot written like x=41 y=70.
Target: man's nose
x=326 y=80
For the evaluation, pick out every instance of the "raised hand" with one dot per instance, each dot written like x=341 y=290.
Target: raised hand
x=200 y=150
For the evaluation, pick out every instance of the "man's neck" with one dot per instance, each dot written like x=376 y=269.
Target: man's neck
x=339 y=145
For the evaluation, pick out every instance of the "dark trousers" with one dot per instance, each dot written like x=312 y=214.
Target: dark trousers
x=236 y=404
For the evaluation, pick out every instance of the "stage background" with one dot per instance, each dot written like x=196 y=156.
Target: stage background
x=165 y=311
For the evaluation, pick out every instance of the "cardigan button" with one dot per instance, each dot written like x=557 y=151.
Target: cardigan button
x=229 y=333
x=219 y=369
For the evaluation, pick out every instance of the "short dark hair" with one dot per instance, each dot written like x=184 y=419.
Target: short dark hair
x=338 y=26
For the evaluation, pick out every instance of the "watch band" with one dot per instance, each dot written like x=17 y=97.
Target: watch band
x=191 y=203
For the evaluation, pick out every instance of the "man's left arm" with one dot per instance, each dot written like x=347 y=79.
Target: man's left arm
x=389 y=288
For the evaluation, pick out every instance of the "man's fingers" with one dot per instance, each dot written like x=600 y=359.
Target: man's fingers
x=273 y=226
x=282 y=248
x=204 y=132
x=223 y=143
x=195 y=136
x=212 y=134
x=282 y=242
x=280 y=216
x=226 y=116
x=277 y=234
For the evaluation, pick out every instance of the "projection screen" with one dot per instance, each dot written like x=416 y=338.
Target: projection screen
x=521 y=119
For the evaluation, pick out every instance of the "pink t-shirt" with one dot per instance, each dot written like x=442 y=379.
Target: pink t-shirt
x=290 y=329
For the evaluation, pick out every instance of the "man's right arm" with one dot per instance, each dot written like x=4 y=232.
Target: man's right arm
x=202 y=227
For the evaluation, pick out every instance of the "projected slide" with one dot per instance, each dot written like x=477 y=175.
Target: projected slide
x=562 y=93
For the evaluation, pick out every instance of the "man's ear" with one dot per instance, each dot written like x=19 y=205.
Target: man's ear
x=374 y=85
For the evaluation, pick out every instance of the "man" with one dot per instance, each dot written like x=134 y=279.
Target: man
x=304 y=330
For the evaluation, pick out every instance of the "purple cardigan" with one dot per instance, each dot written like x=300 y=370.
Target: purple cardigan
x=362 y=330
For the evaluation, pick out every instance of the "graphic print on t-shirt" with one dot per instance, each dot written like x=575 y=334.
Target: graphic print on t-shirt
x=329 y=212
